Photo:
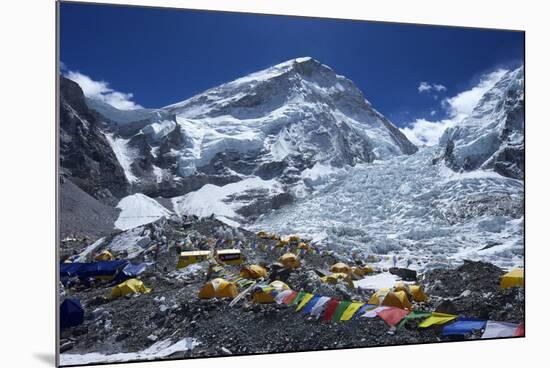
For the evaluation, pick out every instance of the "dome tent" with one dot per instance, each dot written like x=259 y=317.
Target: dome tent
x=253 y=272
x=131 y=286
x=264 y=295
x=71 y=313
x=218 y=288
x=389 y=298
x=290 y=260
x=340 y=267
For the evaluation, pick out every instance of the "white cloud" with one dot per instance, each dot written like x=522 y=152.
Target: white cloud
x=101 y=91
x=463 y=104
x=429 y=87
x=425 y=132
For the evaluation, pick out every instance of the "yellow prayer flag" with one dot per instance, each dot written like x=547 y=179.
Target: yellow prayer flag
x=304 y=301
x=437 y=319
x=350 y=310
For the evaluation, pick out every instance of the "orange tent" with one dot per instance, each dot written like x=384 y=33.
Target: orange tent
x=290 y=260
x=253 y=272
x=340 y=267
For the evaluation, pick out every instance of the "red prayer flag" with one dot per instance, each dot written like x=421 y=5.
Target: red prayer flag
x=520 y=331
x=290 y=298
x=329 y=311
x=392 y=315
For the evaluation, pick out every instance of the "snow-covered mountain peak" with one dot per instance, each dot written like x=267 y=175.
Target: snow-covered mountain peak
x=492 y=136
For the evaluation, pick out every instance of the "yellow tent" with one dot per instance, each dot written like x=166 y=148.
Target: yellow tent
x=389 y=298
x=294 y=238
x=333 y=278
x=512 y=278
x=218 y=288
x=340 y=267
x=262 y=234
x=415 y=291
x=104 y=256
x=130 y=286
x=283 y=243
x=264 y=296
x=437 y=319
x=290 y=260
x=357 y=272
x=367 y=269
x=253 y=272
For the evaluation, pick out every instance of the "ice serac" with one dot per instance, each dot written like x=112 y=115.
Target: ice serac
x=492 y=137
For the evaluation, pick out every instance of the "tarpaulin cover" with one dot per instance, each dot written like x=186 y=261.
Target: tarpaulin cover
x=71 y=313
x=130 y=271
x=307 y=297
x=309 y=306
x=392 y=316
x=350 y=311
x=414 y=315
x=463 y=326
x=499 y=329
x=329 y=311
x=84 y=270
x=437 y=319
x=340 y=309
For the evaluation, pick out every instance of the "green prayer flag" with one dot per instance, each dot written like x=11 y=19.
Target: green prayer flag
x=298 y=298
x=413 y=315
x=340 y=309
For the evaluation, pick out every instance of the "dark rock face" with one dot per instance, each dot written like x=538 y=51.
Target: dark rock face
x=85 y=155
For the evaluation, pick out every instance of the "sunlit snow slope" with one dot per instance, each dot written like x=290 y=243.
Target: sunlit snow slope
x=411 y=207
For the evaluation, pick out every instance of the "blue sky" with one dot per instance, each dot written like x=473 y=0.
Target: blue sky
x=155 y=57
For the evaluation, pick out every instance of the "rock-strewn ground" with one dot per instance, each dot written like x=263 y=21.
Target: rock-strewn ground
x=173 y=310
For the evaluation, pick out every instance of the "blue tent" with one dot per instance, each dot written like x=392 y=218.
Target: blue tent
x=84 y=270
x=463 y=326
x=71 y=313
x=130 y=271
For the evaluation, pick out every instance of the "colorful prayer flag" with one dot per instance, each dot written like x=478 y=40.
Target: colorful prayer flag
x=307 y=297
x=350 y=311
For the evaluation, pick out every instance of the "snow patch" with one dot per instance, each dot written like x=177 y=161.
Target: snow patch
x=124 y=154
x=139 y=209
x=215 y=200
x=160 y=349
